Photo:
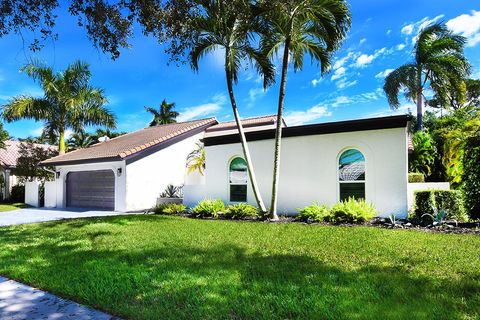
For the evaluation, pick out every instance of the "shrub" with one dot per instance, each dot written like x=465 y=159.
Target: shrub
x=209 y=208
x=431 y=202
x=352 y=211
x=240 y=211
x=313 y=213
x=415 y=177
x=471 y=176
x=17 y=194
x=169 y=208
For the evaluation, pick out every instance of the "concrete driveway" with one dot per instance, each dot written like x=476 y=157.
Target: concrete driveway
x=32 y=215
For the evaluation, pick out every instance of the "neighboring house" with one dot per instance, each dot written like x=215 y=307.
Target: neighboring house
x=8 y=163
x=322 y=163
x=126 y=173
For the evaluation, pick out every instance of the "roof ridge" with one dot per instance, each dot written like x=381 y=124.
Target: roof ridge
x=251 y=118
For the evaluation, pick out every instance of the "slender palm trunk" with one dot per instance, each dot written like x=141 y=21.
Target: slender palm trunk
x=278 y=133
x=419 y=111
x=246 y=151
x=61 y=141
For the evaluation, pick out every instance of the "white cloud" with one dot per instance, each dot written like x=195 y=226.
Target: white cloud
x=315 y=82
x=340 y=72
x=468 y=25
x=297 y=117
x=400 y=46
x=344 y=83
x=363 y=40
x=253 y=94
x=408 y=29
x=340 y=62
x=364 y=60
x=415 y=27
x=389 y=31
x=203 y=110
x=384 y=73
x=341 y=100
x=384 y=112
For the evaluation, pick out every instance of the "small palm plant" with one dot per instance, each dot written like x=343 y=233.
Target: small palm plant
x=164 y=115
x=196 y=160
x=68 y=102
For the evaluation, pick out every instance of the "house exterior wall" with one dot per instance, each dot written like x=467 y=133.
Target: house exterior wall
x=147 y=177
x=309 y=170
x=120 y=181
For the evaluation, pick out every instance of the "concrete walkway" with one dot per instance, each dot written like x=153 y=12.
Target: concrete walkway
x=21 y=302
x=32 y=215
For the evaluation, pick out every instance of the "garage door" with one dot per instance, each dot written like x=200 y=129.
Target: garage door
x=91 y=189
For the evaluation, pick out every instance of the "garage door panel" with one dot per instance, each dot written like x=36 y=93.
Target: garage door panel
x=91 y=189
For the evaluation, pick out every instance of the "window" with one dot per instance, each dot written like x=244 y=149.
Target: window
x=351 y=174
x=238 y=180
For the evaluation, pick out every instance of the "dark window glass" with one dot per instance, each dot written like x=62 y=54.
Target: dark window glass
x=352 y=190
x=238 y=192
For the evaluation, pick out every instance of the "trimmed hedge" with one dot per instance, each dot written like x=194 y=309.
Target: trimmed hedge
x=471 y=176
x=416 y=177
x=432 y=201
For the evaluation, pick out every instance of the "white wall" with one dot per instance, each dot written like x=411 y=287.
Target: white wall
x=149 y=176
x=31 y=193
x=421 y=186
x=309 y=170
x=50 y=194
x=120 y=181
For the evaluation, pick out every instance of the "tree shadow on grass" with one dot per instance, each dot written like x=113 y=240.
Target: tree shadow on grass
x=175 y=280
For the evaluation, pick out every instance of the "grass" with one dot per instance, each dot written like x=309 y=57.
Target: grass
x=4 y=207
x=158 y=267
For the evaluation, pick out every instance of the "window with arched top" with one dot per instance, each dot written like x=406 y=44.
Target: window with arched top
x=238 y=180
x=351 y=174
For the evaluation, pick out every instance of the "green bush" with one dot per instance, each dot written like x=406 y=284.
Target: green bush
x=17 y=194
x=240 y=211
x=169 y=208
x=471 y=176
x=352 y=211
x=415 y=177
x=209 y=208
x=432 y=201
x=313 y=213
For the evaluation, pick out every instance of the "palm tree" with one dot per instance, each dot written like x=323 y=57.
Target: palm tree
x=69 y=101
x=80 y=140
x=101 y=133
x=438 y=57
x=231 y=25
x=196 y=160
x=313 y=27
x=165 y=114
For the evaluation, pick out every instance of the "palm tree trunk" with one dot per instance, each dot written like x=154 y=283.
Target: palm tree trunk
x=419 y=110
x=278 y=133
x=243 y=140
x=61 y=141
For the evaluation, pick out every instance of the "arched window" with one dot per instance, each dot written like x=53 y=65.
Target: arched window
x=351 y=174
x=238 y=180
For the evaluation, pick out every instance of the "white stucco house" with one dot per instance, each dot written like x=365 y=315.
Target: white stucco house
x=322 y=163
x=126 y=173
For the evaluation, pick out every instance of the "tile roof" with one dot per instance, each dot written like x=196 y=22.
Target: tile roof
x=249 y=124
x=9 y=155
x=130 y=144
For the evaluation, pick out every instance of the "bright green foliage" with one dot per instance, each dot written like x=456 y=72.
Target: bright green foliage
x=313 y=213
x=169 y=208
x=169 y=267
x=424 y=152
x=431 y=202
x=352 y=211
x=471 y=176
x=209 y=208
x=415 y=177
x=240 y=211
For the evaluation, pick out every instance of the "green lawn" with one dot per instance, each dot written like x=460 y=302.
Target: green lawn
x=154 y=267
x=12 y=206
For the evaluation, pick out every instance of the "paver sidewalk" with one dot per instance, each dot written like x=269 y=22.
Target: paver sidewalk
x=19 y=302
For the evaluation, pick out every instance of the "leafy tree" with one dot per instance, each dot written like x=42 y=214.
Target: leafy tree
x=424 y=152
x=80 y=140
x=196 y=160
x=101 y=133
x=30 y=155
x=456 y=94
x=3 y=136
x=231 y=25
x=438 y=59
x=164 y=115
x=471 y=176
x=69 y=101
x=313 y=27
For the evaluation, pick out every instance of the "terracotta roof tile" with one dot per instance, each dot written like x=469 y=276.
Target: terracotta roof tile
x=247 y=122
x=9 y=155
x=131 y=143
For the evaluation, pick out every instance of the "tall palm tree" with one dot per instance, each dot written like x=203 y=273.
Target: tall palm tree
x=231 y=26
x=313 y=27
x=164 y=115
x=80 y=140
x=438 y=57
x=69 y=101
x=101 y=133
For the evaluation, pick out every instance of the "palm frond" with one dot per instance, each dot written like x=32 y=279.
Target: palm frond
x=404 y=77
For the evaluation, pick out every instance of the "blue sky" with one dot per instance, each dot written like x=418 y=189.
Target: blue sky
x=380 y=40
